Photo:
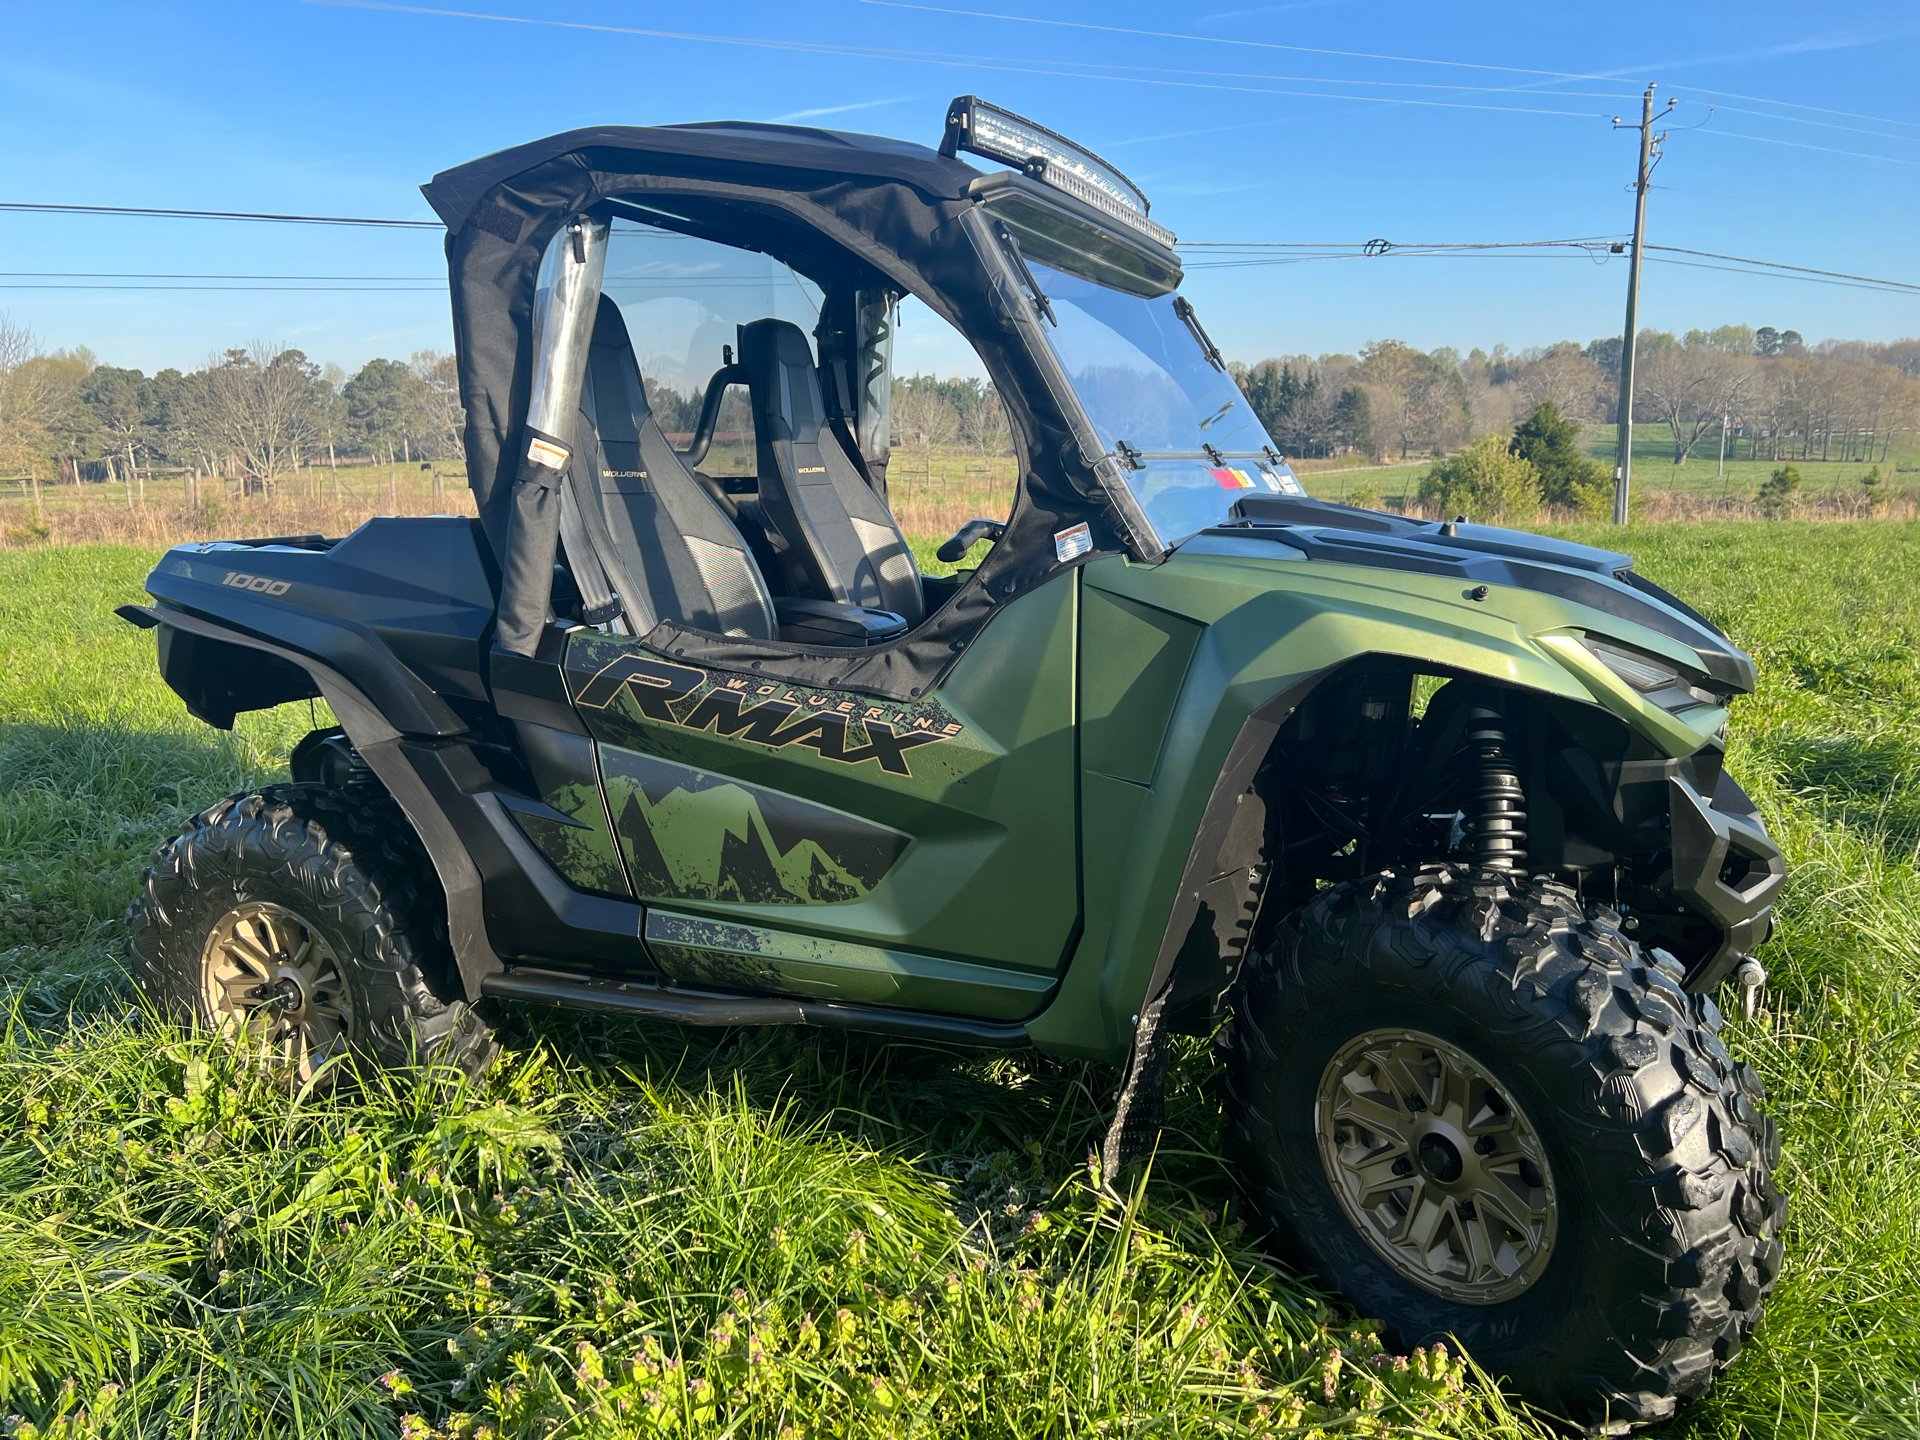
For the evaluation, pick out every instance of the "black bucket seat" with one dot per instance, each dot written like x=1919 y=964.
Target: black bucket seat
x=841 y=540
x=668 y=550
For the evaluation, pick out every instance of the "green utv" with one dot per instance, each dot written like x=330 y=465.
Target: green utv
x=1426 y=823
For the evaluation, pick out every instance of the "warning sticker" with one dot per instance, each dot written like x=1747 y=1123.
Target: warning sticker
x=545 y=452
x=1074 y=540
x=1231 y=479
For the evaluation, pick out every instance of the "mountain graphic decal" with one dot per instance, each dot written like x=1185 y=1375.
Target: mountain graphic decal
x=689 y=834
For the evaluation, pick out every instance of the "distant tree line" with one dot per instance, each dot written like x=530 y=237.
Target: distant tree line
x=255 y=413
x=252 y=414
x=1777 y=396
x=961 y=413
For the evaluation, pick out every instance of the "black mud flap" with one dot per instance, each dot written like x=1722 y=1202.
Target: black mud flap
x=1141 y=1109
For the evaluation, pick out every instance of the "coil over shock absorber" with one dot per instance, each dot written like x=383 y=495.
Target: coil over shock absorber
x=1496 y=807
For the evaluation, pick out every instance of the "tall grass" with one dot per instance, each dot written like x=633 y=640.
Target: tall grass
x=1830 y=748
x=633 y=1230
x=628 y=1230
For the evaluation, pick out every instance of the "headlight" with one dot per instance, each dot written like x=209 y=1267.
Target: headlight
x=1659 y=681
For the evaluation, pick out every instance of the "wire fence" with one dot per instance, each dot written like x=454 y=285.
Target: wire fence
x=933 y=492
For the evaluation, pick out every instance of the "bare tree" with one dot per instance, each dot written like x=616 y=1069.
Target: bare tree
x=922 y=417
x=1560 y=373
x=442 y=415
x=36 y=391
x=983 y=425
x=1691 y=387
x=1417 y=401
x=259 y=405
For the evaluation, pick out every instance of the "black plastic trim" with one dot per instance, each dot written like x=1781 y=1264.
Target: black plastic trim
x=379 y=745
x=704 y=1007
x=348 y=648
x=1249 y=748
x=1707 y=836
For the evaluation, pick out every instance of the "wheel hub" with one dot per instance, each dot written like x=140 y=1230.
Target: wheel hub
x=1436 y=1166
x=273 y=983
x=1438 y=1157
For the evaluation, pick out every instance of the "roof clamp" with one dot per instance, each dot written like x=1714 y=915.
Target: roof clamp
x=1184 y=309
x=1040 y=301
x=1274 y=457
x=1129 y=456
x=1214 y=457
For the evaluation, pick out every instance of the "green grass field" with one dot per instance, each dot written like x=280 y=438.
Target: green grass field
x=1654 y=470
x=633 y=1230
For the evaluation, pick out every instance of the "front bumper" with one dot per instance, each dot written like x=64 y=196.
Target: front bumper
x=1726 y=869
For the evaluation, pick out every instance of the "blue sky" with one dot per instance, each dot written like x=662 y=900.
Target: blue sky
x=1320 y=120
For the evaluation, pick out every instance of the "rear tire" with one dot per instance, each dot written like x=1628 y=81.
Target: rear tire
x=1651 y=1242
x=307 y=923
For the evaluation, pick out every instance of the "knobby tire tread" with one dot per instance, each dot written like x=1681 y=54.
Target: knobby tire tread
x=345 y=856
x=1659 y=1125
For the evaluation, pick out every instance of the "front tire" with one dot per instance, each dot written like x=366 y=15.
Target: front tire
x=1480 y=1111
x=306 y=923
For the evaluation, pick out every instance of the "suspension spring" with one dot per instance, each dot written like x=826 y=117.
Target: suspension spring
x=1496 y=808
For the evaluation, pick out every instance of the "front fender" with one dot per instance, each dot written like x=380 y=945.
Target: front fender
x=1269 y=630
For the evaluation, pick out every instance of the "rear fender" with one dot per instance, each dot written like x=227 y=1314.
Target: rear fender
x=201 y=659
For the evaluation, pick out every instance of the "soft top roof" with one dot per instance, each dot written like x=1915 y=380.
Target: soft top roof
x=849 y=209
x=455 y=193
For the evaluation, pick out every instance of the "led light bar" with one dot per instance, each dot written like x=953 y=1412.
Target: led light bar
x=983 y=129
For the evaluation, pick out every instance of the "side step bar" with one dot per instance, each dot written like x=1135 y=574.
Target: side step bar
x=706 y=1007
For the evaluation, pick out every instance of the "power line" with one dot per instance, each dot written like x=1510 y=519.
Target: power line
x=1796 y=105
x=1091 y=70
x=218 y=215
x=1802 y=145
x=1258 y=252
x=943 y=58
x=1352 y=55
x=1778 y=265
x=1823 y=124
x=1248 y=253
x=1894 y=288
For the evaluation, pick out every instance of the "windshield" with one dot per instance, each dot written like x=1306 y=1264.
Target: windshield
x=1191 y=442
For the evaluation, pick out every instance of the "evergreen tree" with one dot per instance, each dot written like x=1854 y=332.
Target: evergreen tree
x=1776 y=497
x=386 y=405
x=1552 y=443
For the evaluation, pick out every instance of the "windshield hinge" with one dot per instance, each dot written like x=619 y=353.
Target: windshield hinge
x=1184 y=309
x=1129 y=456
x=1040 y=301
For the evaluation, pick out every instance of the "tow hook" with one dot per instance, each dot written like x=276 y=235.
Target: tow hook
x=1753 y=982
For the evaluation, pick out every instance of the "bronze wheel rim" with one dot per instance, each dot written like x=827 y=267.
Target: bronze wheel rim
x=274 y=984
x=1436 y=1166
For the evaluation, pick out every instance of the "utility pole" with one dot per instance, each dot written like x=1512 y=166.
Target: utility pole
x=1623 y=472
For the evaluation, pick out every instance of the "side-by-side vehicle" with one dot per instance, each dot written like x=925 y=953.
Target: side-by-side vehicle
x=1426 y=822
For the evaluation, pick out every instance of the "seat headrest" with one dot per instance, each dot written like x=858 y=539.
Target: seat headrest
x=782 y=381
x=610 y=334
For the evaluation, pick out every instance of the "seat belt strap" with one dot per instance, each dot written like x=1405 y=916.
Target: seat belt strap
x=598 y=602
